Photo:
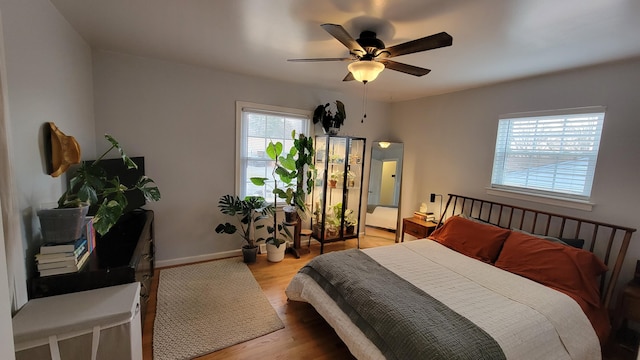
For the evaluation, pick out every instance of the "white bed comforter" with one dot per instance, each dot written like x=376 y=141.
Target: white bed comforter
x=528 y=320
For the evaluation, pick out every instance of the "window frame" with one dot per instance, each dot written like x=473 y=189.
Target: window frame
x=556 y=197
x=279 y=110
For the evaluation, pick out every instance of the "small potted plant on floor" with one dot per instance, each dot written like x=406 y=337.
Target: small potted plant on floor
x=247 y=212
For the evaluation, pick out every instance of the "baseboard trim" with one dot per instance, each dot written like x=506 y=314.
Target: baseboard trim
x=198 y=258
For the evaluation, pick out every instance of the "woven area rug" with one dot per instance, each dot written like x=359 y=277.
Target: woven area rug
x=205 y=307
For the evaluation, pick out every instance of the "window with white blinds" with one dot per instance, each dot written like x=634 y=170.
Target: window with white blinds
x=548 y=153
x=257 y=125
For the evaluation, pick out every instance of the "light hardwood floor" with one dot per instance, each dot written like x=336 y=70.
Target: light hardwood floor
x=305 y=335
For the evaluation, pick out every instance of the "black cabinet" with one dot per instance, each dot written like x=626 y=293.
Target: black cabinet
x=123 y=255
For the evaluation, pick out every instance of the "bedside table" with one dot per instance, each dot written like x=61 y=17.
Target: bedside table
x=628 y=307
x=416 y=227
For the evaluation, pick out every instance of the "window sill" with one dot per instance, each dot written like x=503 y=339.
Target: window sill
x=548 y=200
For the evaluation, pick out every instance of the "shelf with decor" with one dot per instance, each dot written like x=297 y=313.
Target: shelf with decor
x=337 y=192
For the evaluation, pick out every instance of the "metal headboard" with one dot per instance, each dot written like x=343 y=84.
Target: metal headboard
x=602 y=239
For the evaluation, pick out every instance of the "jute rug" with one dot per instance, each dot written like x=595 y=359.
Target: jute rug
x=209 y=306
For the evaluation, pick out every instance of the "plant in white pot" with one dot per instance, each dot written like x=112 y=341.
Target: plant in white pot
x=91 y=187
x=295 y=170
x=248 y=212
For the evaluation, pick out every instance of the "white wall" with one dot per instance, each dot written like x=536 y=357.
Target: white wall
x=182 y=119
x=449 y=140
x=48 y=79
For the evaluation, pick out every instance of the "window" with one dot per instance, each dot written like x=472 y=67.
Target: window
x=548 y=153
x=256 y=126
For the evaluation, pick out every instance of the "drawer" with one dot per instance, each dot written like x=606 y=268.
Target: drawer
x=414 y=229
x=631 y=307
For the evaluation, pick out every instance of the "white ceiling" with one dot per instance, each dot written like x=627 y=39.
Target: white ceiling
x=493 y=40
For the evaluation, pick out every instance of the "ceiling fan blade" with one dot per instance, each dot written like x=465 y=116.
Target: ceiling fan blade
x=426 y=43
x=407 y=69
x=320 y=59
x=343 y=36
x=349 y=77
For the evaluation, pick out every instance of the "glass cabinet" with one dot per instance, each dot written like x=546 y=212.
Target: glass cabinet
x=337 y=192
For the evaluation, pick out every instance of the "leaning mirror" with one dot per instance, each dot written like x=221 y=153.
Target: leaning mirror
x=385 y=180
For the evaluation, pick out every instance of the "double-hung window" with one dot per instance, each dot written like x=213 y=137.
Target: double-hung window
x=256 y=126
x=550 y=153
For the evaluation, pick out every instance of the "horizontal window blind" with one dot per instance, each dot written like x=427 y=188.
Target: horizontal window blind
x=550 y=154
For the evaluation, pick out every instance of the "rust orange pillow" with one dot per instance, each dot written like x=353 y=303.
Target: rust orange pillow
x=471 y=238
x=564 y=268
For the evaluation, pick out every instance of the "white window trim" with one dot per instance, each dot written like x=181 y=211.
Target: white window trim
x=542 y=199
x=261 y=107
x=555 y=200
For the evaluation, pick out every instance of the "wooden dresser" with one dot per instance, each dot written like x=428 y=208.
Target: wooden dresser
x=416 y=227
x=123 y=255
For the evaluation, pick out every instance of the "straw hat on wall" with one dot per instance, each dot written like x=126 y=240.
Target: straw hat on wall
x=62 y=151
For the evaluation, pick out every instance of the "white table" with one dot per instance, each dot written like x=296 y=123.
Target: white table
x=96 y=324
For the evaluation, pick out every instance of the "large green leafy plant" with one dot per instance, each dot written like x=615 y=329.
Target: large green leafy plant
x=296 y=172
x=91 y=185
x=248 y=212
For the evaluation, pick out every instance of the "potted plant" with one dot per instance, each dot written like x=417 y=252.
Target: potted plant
x=333 y=180
x=333 y=225
x=278 y=236
x=350 y=221
x=296 y=172
x=339 y=176
x=248 y=212
x=331 y=121
x=91 y=187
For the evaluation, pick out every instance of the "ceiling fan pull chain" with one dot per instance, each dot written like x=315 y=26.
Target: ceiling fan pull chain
x=364 y=103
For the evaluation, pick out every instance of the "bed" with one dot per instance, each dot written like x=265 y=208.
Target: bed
x=474 y=297
x=383 y=217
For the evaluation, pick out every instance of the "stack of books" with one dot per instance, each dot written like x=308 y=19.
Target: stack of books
x=55 y=259
x=428 y=216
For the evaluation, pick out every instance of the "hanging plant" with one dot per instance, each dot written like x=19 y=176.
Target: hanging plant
x=330 y=120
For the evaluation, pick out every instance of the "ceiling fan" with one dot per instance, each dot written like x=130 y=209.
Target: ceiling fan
x=369 y=56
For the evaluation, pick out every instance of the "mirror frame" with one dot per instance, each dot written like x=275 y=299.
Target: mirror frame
x=375 y=147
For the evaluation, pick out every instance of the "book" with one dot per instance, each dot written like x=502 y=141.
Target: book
x=49 y=263
x=90 y=233
x=66 y=269
x=74 y=255
x=424 y=216
x=55 y=248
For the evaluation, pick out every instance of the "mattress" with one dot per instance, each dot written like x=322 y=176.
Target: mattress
x=526 y=319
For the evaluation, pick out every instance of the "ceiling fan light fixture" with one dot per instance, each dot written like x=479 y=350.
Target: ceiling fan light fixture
x=365 y=70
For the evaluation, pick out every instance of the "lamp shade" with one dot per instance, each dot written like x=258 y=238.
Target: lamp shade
x=384 y=144
x=365 y=70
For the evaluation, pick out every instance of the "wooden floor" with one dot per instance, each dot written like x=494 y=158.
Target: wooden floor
x=305 y=335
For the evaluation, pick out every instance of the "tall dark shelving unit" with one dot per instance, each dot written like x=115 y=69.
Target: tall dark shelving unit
x=337 y=192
